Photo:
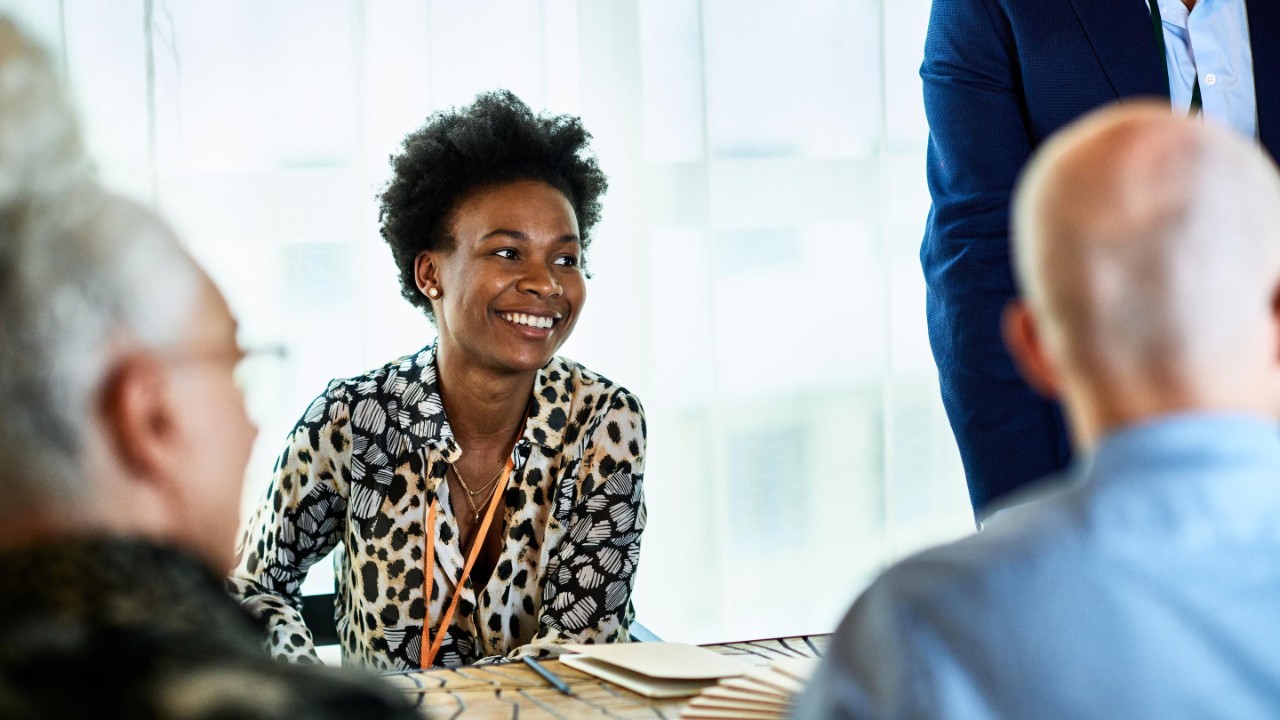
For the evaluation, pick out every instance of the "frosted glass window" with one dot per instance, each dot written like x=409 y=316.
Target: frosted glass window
x=755 y=276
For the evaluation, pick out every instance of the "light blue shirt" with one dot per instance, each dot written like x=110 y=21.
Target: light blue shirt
x=1212 y=41
x=1145 y=585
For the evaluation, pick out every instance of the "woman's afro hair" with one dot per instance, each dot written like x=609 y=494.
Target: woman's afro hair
x=497 y=139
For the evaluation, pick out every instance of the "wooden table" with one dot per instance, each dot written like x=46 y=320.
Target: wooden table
x=513 y=690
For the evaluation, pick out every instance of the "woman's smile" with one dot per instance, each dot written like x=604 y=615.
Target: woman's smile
x=534 y=326
x=540 y=321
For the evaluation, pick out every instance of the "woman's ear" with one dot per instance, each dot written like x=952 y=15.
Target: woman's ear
x=426 y=273
x=1022 y=337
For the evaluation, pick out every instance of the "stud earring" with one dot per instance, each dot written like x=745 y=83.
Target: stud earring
x=433 y=293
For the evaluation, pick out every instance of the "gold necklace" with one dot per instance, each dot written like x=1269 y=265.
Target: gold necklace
x=471 y=494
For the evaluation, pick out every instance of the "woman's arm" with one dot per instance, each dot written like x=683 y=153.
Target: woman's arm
x=587 y=591
x=298 y=522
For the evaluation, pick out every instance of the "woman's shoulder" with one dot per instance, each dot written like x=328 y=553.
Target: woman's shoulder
x=407 y=377
x=584 y=389
x=602 y=419
x=391 y=378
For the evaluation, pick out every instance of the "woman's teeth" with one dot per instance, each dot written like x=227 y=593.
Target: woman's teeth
x=530 y=320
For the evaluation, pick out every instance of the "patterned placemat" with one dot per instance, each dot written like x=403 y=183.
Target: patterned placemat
x=514 y=691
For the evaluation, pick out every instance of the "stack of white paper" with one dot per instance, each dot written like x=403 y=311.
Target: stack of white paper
x=656 y=670
x=762 y=693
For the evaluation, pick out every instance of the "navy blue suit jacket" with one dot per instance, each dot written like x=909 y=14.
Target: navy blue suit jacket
x=1000 y=76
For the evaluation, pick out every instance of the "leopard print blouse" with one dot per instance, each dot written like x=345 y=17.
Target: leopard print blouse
x=365 y=462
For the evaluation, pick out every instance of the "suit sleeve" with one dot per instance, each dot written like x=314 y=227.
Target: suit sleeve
x=298 y=522
x=978 y=143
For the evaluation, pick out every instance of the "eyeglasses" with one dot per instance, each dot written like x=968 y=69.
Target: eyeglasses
x=244 y=359
x=257 y=370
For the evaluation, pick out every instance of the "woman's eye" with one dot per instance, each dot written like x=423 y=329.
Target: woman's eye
x=567 y=261
x=508 y=253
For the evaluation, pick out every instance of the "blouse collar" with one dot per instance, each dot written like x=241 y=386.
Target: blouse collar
x=418 y=409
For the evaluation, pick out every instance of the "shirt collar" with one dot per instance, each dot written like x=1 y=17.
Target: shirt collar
x=1186 y=441
x=419 y=409
x=1174 y=13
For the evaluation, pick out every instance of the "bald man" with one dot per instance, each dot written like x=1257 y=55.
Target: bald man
x=1144 y=583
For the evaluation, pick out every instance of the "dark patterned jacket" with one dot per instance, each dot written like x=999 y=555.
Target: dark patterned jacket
x=125 y=629
x=365 y=462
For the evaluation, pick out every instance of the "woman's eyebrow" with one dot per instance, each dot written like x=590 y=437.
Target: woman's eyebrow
x=519 y=235
x=513 y=234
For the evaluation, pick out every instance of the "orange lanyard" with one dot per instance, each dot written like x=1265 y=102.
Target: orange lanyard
x=430 y=649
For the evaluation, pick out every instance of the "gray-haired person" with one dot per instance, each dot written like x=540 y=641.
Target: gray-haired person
x=123 y=443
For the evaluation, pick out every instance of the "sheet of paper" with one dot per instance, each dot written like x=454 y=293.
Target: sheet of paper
x=703 y=701
x=727 y=693
x=759 y=693
x=773 y=678
x=672 y=661
x=796 y=668
x=635 y=682
x=714 y=714
x=751 y=686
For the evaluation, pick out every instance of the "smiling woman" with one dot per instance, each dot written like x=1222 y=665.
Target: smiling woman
x=486 y=495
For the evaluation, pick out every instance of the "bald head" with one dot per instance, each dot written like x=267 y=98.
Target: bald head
x=1148 y=251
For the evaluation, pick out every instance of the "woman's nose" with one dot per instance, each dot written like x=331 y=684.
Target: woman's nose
x=539 y=280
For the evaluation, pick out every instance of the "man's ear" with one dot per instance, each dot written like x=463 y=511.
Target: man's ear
x=139 y=417
x=1022 y=337
x=1275 y=317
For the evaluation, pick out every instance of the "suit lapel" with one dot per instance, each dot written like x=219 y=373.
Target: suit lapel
x=1264 y=42
x=1124 y=42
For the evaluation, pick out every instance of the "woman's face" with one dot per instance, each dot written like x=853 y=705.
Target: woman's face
x=510 y=288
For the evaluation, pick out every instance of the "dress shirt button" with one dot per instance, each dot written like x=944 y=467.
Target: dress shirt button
x=1210 y=79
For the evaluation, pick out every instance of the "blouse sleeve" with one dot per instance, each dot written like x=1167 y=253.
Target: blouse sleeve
x=587 y=592
x=298 y=522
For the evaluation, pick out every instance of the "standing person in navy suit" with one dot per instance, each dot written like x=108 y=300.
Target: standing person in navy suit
x=1000 y=76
